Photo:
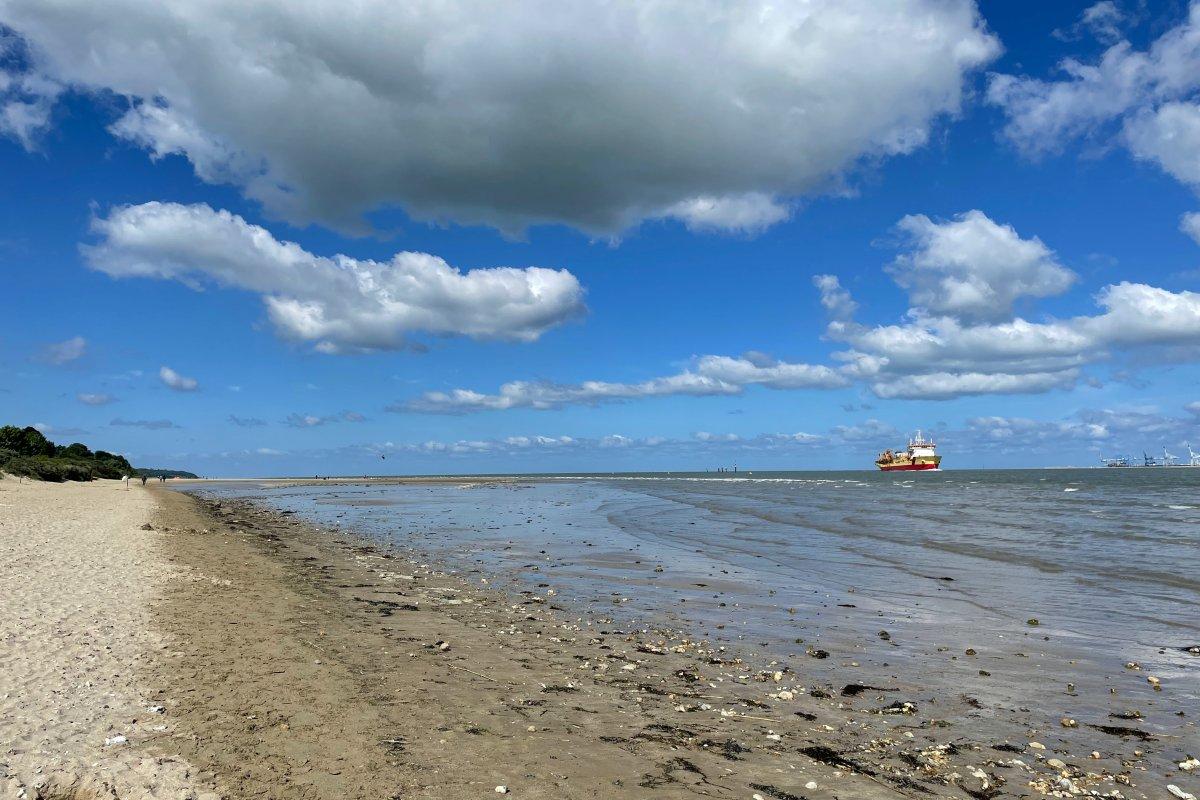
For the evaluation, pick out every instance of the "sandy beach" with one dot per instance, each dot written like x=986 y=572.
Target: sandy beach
x=232 y=651
x=77 y=640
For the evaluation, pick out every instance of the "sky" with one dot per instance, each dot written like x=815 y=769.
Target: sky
x=287 y=238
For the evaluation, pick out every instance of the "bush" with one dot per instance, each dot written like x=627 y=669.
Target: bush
x=48 y=469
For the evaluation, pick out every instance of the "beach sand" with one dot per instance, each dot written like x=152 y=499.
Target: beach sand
x=292 y=662
x=78 y=580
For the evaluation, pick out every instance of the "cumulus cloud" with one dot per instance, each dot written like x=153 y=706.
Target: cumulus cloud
x=960 y=337
x=1190 y=224
x=174 y=380
x=973 y=268
x=1147 y=98
x=95 y=399
x=148 y=424
x=588 y=113
x=64 y=352
x=749 y=213
x=836 y=300
x=1170 y=137
x=710 y=375
x=940 y=357
x=335 y=303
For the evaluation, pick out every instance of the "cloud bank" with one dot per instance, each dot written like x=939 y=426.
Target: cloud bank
x=334 y=303
x=588 y=113
x=710 y=375
x=960 y=336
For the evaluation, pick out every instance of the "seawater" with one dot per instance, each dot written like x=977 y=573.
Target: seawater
x=1106 y=561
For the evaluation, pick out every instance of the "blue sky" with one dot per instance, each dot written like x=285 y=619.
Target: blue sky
x=170 y=230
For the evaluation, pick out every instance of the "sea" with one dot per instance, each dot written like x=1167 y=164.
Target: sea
x=1055 y=587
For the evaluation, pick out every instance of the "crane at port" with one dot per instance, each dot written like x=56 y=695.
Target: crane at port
x=1149 y=460
x=1169 y=460
x=1193 y=456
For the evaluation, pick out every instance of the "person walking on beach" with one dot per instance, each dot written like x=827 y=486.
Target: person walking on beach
x=143 y=480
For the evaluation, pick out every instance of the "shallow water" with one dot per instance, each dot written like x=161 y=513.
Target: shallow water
x=1107 y=562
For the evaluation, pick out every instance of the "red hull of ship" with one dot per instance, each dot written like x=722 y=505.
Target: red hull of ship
x=908 y=467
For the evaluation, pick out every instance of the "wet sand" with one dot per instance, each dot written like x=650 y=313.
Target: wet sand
x=311 y=663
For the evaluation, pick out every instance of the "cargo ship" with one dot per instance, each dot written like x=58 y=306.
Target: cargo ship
x=919 y=455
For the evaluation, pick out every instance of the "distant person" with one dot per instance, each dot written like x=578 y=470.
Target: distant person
x=143 y=480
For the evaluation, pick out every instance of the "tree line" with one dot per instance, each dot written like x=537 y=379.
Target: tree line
x=26 y=451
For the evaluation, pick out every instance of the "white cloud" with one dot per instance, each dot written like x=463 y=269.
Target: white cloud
x=174 y=380
x=699 y=443
x=972 y=268
x=946 y=385
x=705 y=436
x=590 y=113
x=336 y=303
x=542 y=395
x=1102 y=20
x=1137 y=430
x=1146 y=97
x=64 y=352
x=95 y=399
x=26 y=98
x=1169 y=136
x=836 y=300
x=939 y=357
x=710 y=375
x=749 y=213
x=1190 y=224
x=961 y=337
x=312 y=421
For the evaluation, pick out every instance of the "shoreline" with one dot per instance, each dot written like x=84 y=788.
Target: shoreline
x=651 y=709
x=294 y=661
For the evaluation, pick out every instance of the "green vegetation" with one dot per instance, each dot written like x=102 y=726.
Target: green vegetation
x=25 y=451
x=165 y=473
